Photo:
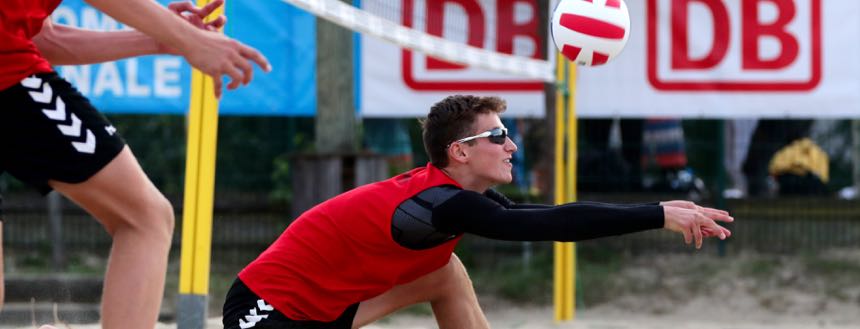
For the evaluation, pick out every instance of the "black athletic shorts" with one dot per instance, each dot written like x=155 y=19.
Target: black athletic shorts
x=243 y=309
x=49 y=131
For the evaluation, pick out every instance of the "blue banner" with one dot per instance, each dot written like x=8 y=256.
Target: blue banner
x=161 y=84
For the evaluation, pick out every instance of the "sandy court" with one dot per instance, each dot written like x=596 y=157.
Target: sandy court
x=601 y=318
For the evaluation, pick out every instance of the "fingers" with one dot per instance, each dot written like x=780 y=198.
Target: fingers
x=187 y=6
x=236 y=77
x=216 y=24
x=688 y=236
x=209 y=8
x=256 y=57
x=697 y=235
x=195 y=15
x=179 y=7
x=247 y=71
x=719 y=215
x=218 y=86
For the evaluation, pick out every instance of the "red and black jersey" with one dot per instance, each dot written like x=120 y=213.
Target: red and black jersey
x=20 y=21
x=364 y=242
x=342 y=251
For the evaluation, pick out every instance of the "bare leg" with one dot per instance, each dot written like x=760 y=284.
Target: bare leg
x=140 y=220
x=449 y=291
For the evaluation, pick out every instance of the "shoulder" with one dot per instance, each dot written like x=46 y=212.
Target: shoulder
x=437 y=195
x=412 y=222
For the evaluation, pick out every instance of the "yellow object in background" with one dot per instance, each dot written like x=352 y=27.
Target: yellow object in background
x=799 y=158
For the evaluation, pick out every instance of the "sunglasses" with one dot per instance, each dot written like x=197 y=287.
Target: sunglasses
x=495 y=135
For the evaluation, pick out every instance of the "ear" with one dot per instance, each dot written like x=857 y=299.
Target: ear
x=458 y=153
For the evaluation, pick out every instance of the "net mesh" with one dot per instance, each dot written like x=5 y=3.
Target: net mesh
x=379 y=19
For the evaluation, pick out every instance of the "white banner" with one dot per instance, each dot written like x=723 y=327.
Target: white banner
x=731 y=59
x=401 y=83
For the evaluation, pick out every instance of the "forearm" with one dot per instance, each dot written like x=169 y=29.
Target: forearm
x=507 y=203
x=152 y=19
x=65 y=45
x=473 y=213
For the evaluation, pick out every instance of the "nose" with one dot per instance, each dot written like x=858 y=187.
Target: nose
x=510 y=146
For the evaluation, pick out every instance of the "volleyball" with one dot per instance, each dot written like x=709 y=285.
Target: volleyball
x=590 y=32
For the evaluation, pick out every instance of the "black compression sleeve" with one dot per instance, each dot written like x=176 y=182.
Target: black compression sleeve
x=507 y=203
x=471 y=212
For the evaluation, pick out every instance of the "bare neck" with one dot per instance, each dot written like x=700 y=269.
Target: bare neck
x=465 y=178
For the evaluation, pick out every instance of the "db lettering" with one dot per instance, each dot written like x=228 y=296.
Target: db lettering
x=753 y=44
x=513 y=24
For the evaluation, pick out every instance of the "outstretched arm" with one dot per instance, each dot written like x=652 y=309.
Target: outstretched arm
x=210 y=52
x=67 y=45
x=473 y=213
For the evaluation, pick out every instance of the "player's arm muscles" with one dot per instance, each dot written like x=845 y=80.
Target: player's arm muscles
x=66 y=45
x=471 y=212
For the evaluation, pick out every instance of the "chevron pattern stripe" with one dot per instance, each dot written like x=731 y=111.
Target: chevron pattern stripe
x=68 y=123
x=251 y=319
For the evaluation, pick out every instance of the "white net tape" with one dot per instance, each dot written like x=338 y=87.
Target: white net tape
x=358 y=20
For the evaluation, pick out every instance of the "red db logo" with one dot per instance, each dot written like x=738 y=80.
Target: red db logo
x=734 y=45
x=511 y=26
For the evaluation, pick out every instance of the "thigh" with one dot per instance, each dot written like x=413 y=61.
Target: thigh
x=424 y=289
x=49 y=131
x=119 y=194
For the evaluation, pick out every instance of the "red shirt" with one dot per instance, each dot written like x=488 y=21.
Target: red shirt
x=20 y=21
x=341 y=252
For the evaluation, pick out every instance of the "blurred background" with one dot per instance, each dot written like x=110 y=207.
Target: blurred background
x=785 y=161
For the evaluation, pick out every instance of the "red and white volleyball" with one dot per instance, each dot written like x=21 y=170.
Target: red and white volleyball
x=590 y=32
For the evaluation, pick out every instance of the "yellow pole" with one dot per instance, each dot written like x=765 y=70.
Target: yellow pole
x=559 y=259
x=570 y=252
x=565 y=187
x=198 y=200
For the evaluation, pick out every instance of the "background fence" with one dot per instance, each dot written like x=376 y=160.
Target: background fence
x=255 y=169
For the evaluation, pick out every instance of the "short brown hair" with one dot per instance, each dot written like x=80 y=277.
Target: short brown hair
x=451 y=119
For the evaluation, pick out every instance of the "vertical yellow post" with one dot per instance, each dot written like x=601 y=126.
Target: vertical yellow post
x=198 y=202
x=565 y=186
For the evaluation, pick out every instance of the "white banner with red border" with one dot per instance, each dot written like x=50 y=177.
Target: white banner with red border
x=731 y=59
x=714 y=59
x=396 y=82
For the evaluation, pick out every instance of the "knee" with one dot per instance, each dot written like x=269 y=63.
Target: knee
x=152 y=216
x=163 y=220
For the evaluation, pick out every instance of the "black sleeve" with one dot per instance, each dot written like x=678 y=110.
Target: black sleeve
x=471 y=212
x=507 y=203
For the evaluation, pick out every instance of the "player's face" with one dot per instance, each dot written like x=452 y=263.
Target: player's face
x=490 y=161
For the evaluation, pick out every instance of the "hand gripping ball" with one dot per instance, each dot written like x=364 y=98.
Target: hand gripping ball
x=590 y=32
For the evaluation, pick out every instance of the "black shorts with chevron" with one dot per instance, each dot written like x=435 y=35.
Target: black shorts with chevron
x=49 y=131
x=243 y=309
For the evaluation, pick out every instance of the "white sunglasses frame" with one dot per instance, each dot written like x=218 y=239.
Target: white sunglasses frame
x=487 y=133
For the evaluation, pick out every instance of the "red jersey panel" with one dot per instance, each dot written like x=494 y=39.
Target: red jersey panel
x=341 y=252
x=20 y=21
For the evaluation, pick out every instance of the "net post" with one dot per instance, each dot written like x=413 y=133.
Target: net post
x=198 y=199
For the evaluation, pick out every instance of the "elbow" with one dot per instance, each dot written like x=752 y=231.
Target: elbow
x=54 y=46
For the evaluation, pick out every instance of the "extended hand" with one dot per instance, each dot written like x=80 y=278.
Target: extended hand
x=695 y=222
x=194 y=15
x=216 y=54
